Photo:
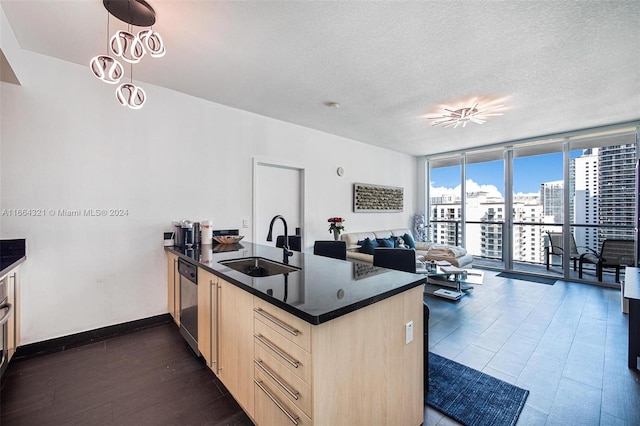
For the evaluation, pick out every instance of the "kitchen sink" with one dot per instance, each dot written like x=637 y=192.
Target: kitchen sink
x=258 y=266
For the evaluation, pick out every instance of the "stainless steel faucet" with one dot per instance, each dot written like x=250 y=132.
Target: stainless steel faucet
x=285 y=246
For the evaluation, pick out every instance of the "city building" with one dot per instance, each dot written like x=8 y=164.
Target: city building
x=616 y=190
x=551 y=194
x=586 y=199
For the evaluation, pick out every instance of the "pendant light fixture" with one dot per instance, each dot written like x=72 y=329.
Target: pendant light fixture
x=129 y=47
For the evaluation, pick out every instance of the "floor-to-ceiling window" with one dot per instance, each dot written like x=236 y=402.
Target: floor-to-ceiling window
x=604 y=195
x=506 y=202
x=538 y=201
x=445 y=201
x=484 y=204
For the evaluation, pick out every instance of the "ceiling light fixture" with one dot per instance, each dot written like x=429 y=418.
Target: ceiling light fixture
x=462 y=114
x=129 y=47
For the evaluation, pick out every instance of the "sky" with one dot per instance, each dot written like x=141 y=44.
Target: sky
x=528 y=173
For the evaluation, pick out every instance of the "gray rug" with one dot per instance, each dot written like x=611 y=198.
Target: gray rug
x=525 y=277
x=470 y=396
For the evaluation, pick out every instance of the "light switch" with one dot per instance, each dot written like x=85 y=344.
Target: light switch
x=408 y=332
x=245 y=223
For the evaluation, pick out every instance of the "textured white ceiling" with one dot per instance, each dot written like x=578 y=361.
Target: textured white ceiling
x=560 y=65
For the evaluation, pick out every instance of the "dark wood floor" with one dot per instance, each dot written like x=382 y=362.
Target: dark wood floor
x=145 y=378
x=565 y=343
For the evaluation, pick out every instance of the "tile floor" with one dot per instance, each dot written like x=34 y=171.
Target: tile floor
x=566 y=343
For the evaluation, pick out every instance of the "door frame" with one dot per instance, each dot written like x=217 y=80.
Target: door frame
x=257 y=162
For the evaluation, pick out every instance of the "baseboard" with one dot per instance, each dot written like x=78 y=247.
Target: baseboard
x=74 y=340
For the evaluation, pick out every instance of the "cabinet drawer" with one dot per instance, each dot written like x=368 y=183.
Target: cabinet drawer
x=292 y=356
x=272 y=408
x=290 y=326
x=280 y=377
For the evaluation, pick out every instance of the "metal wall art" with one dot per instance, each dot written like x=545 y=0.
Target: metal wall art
x=376 y=198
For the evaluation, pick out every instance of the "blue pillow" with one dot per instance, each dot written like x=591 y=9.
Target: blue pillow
x=368 y=246
x=408 y=240
x=386 y=242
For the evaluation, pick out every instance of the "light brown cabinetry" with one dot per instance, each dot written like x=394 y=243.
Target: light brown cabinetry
x=355 y=369
x=283 y=366
x=236 y=343
x=207 y=318
x=173 y=287
x=274 y=408
x=11 y=281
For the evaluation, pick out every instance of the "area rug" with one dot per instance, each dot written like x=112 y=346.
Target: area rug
x=525 y=277
x=470 y=396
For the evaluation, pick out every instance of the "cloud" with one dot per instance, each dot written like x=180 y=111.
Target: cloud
x=491 y=190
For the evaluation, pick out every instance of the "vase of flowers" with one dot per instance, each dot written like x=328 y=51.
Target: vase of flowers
x=336 y=227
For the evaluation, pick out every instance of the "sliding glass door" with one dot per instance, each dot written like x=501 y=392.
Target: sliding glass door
x=604 y=177
x=485 y=210
x=538 y=194
x=518 y=206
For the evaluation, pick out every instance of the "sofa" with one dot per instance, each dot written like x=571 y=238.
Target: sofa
x=425 y=251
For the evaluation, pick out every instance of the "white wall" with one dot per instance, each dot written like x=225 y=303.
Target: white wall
x=67 y=144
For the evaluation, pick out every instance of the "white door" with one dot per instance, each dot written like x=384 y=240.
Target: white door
x=278 y=190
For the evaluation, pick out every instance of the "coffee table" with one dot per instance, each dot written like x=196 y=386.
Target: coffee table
x=450 y=277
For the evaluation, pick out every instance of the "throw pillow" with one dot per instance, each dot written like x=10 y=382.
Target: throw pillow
x=386 y=242
x=408 y=240
x=400 y=243
x=368 y=246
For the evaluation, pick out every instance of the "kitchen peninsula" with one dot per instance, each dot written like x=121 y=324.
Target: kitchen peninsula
x=331 y=342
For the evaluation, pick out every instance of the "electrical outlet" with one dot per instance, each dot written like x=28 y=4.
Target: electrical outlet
x=408 y=332
x=245 y=223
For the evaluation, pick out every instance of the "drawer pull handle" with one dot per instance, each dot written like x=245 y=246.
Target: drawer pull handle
x=294 y=394
x=294 y=420
x=277 y=322
x=277 y=351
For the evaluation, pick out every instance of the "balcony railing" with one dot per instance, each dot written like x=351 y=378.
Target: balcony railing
x=529 y=242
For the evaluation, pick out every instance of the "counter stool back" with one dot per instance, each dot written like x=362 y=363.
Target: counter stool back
x=295 y=242
x=333 y=249
x=395 y=258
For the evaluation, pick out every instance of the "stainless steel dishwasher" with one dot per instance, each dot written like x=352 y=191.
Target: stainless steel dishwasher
x=189 y=303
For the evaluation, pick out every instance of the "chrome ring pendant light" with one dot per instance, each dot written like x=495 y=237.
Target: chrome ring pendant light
x=129 y=47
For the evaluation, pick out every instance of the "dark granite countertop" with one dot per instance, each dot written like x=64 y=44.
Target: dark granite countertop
x=12 y=254
x=323 y=289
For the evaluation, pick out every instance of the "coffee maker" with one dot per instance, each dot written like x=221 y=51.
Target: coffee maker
x=185 y=233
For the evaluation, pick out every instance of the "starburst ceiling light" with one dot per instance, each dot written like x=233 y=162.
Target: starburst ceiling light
x=129 y=47
x=460 y=115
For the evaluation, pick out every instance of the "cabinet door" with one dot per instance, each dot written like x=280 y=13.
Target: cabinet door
x=273 y=409
x=207 y=288
x=215 y=326
x=236 y=343
x=13 y=322
x=173 y=287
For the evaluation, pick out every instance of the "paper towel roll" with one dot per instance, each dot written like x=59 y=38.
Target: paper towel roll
x=206 y=231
